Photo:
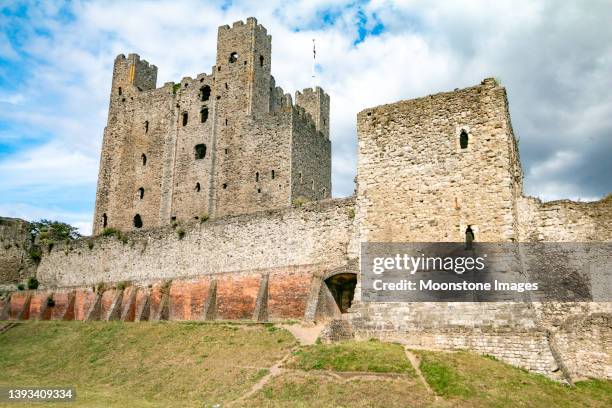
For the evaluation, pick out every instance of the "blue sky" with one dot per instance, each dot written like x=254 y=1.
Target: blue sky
x=554 y=57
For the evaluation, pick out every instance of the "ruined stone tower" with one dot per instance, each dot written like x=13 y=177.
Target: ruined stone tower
x=230 y=142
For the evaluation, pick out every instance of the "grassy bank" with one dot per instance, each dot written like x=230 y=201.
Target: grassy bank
x=181 y=364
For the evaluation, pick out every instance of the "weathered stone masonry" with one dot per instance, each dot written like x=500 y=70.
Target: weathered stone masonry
x=418 y=181
x=225 y=143
x=428 y=169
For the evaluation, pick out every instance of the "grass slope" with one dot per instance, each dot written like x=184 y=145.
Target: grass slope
x=372 y=356
x=469 y=380
x=188 y=364
x=114 y=364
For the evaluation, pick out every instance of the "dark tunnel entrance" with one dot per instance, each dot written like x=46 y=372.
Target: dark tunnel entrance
x=342 y=287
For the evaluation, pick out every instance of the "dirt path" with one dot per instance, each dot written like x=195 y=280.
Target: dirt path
x=272 y=372
x=416 y=363
x=7 y=326
x=304 y=334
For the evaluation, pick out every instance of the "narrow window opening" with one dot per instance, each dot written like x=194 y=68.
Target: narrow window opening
x=120 y=91
x=197 y=187
x=301 y=178
x=226 y=151
x=185 y=118
x=144 y=159
x=257 y=176
x=259 y=190
x=173 y=218
x=122 y=99
x=205 y=93
x=200 y=151
x=261 y=60
x=104 y=220
x=469 y=237
x=141 y=192
x=225 y=122
x=146 y=126
x=312 y=185
x=204 y=115
x=233 y=57
x=224 y=186
x=137 y=221
x=226 y=87
x=219 y=69
x=273 y=175
x=463 y=139
x=324 y=191
x=186 y=85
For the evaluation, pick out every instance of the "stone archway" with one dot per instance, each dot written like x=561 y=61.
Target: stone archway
x=342 y=288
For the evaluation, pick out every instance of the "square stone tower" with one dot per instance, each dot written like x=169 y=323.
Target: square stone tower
x=225 y=143
x=431 y=167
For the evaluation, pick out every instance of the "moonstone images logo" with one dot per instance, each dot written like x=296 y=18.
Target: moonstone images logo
x=485 y=272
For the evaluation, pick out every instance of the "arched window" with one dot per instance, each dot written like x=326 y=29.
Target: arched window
x=261 y=60
x=197 y=187
x=200 y=151
x=463 y=139
x=144 y=159
x=146 y=126
x=204 y=115
x=137 y=221
x=141 y=192
x=205 y=93
x=104 y=220
x=185 y=118
x=233 y=57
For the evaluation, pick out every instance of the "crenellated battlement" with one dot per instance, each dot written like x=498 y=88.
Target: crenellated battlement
x=221 y=143
x=316 y=102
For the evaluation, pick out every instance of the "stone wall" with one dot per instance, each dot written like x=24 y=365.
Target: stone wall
x=318 y=235
x=565 y=220
x=16 y=264
x=417 y=183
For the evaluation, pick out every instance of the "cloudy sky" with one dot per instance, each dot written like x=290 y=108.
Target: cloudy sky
x=554 y=57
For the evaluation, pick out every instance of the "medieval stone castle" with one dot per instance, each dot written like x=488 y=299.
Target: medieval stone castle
x=230 y=142
x=232 y=147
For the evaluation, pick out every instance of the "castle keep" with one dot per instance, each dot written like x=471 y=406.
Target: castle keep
x=232 y=146
x=224 y=143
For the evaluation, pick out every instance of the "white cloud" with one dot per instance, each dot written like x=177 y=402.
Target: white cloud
x=51 y=165
x=553 y=59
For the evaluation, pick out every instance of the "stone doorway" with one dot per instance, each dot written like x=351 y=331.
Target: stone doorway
x=342 y=288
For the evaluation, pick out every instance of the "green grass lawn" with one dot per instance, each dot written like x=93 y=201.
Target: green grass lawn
x=183 y=364
x=372 y=356
x=115 y=364
x=469 y=380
